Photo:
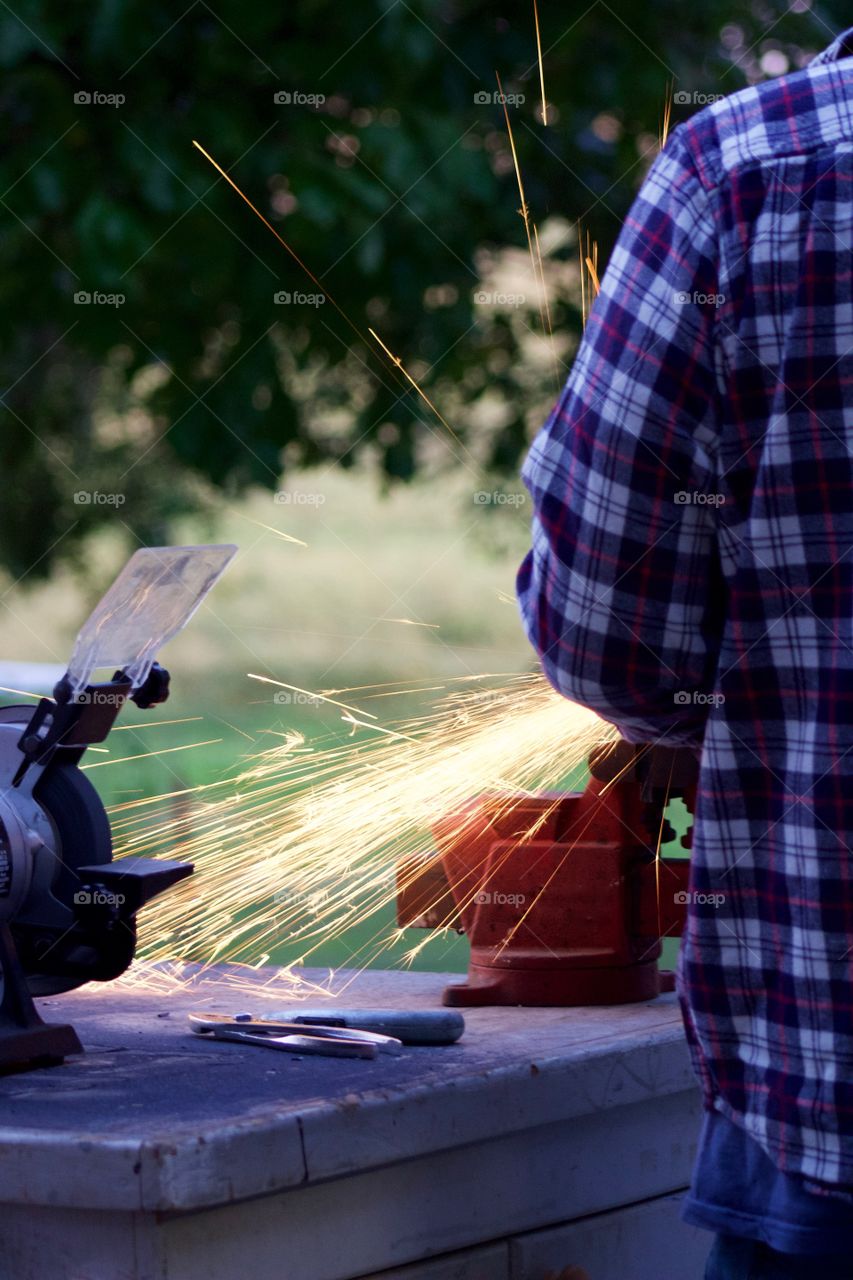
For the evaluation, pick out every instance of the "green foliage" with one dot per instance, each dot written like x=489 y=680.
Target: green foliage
x=386 y=189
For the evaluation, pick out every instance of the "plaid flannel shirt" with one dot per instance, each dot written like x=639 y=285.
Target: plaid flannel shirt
x=691 y=577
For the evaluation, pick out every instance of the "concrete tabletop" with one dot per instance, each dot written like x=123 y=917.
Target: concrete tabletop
x=154 y=1118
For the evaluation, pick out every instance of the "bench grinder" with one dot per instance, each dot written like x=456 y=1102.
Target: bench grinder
x=67 y=910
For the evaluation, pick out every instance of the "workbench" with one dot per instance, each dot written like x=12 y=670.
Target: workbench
x=545 y=1138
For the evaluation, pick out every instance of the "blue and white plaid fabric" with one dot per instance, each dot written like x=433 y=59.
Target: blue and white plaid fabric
x=691 y=577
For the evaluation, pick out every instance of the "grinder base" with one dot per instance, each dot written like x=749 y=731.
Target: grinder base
x=26 y=1041
x=44 y=1045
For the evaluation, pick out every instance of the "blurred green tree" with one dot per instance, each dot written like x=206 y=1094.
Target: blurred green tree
x=369 y=135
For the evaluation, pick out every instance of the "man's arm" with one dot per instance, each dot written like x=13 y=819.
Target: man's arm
x=622 y=595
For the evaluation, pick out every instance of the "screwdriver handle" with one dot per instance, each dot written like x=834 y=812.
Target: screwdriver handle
x=412 y=1026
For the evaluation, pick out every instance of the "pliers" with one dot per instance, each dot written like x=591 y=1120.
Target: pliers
x=294 y=1037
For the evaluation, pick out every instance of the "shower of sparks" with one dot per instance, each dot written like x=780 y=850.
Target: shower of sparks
x=415 y=684
x=377 y=728
x=539 y=58
x=178 y=977
x=401 y=693
x=305 y=842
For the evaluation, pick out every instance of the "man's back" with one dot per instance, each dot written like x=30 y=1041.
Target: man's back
x=692 y=576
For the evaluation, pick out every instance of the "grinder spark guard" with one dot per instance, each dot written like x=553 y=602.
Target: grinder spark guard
x=67 y=910
x=563 y=898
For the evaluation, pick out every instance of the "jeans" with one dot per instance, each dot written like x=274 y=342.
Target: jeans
x=735 y=1258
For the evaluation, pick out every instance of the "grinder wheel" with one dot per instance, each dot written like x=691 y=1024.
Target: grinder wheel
x=82 y=838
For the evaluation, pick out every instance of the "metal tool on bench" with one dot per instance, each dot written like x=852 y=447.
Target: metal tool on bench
x=563 y=897
x=67 y=910
x=294 y=1037
x=361 y=1033
x=411 y=1026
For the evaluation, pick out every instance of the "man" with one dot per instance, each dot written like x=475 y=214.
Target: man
x=691 y=580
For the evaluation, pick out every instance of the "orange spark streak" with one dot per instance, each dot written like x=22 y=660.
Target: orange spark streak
x=294 y=255
x=396 y=360
x=541 y=68
x=308 y=693
x=143 y=755
x=269 y=528
x=153 y=724
x=667 y=113
x=411 y=622
x=538 y=276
